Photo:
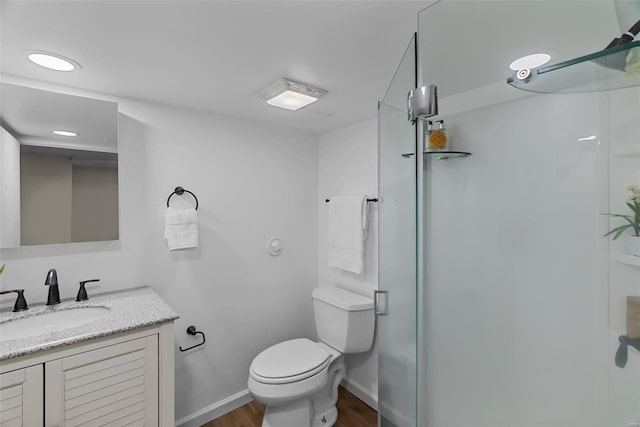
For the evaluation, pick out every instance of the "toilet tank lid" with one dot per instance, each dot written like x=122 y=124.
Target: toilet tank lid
x=342 y=298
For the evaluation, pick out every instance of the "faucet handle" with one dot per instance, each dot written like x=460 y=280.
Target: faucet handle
x=82 y=292
x=21 y=302
x=52 y=278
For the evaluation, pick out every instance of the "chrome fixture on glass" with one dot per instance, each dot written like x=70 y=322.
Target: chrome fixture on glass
x=422 y=102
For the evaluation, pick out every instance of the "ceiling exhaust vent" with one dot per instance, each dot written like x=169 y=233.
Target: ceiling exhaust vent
x=290 y=95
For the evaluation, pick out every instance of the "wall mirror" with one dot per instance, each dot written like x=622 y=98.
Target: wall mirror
x=58 y=168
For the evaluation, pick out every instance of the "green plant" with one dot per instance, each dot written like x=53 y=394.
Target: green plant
x=633 y=220
x=2 y=268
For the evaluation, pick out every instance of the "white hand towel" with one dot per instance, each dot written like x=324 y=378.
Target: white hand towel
x=181 y=228
x=348 y=221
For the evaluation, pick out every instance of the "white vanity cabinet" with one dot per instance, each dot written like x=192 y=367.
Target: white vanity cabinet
x=21 y=401
x=120 y=380
x=115 y=385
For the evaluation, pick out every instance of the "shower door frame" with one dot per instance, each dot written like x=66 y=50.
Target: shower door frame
x=411 y=54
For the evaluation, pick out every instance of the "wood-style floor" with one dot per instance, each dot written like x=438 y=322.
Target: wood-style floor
x=352 y=412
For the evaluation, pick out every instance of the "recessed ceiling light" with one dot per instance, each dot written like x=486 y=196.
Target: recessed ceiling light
x=53 y=61
x=65 y=133
x=290 y=95
x=530 y=61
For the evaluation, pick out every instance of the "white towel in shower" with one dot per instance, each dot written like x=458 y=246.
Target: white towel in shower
x=181 y=228
x=348 y=222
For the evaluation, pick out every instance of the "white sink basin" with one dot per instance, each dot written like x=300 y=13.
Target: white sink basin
x=47 y=323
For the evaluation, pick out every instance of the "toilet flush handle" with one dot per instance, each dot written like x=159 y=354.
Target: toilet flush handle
x=380 y=302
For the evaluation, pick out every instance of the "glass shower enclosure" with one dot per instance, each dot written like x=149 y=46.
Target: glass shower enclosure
x=396 y=302
x=504 y=304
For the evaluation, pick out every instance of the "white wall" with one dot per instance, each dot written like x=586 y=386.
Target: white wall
x=9 y=190
x=624 y=279
x=348 y=164
x=253 y=182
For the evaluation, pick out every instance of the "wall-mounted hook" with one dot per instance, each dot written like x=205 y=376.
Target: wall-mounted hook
x=191 y=330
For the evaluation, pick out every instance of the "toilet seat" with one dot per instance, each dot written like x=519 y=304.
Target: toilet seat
x=289 y=361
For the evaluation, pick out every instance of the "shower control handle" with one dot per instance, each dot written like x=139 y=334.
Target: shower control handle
x=621 y=354
x=380 y=302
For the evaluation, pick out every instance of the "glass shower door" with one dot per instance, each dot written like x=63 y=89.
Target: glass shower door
x=396 y=302
x=524 y=299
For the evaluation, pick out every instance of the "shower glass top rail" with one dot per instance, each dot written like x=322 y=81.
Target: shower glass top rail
x=608 y=69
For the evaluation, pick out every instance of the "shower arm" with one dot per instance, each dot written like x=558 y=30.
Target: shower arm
x=621 y=354
x=627 y=37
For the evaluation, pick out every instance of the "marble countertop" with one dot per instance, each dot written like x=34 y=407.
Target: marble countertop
x=129 y=309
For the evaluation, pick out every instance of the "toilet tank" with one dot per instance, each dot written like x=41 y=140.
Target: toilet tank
x=344 y=320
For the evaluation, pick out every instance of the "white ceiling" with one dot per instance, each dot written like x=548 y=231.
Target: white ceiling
x=217 y=55
x=491 y=34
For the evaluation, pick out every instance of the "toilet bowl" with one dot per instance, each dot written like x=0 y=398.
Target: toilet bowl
x=294 y=392
x=298 y=379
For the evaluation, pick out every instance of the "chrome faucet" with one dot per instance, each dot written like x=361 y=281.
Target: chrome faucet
x=52 y=283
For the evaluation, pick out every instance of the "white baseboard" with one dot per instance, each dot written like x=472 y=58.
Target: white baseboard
x=361 y=392
x=215 y=410
x=224 y=406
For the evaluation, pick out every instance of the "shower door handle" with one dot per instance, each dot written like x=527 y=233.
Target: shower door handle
x=380 y=302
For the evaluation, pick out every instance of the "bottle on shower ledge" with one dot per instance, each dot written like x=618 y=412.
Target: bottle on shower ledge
x=437 y=138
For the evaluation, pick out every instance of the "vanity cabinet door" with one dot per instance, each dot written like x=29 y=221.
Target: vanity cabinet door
x=21 y=397
x=111 y=386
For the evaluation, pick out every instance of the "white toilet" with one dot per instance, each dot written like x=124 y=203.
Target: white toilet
x=298 y=379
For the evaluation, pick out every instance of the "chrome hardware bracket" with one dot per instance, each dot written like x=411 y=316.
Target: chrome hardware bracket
x=422 y=102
